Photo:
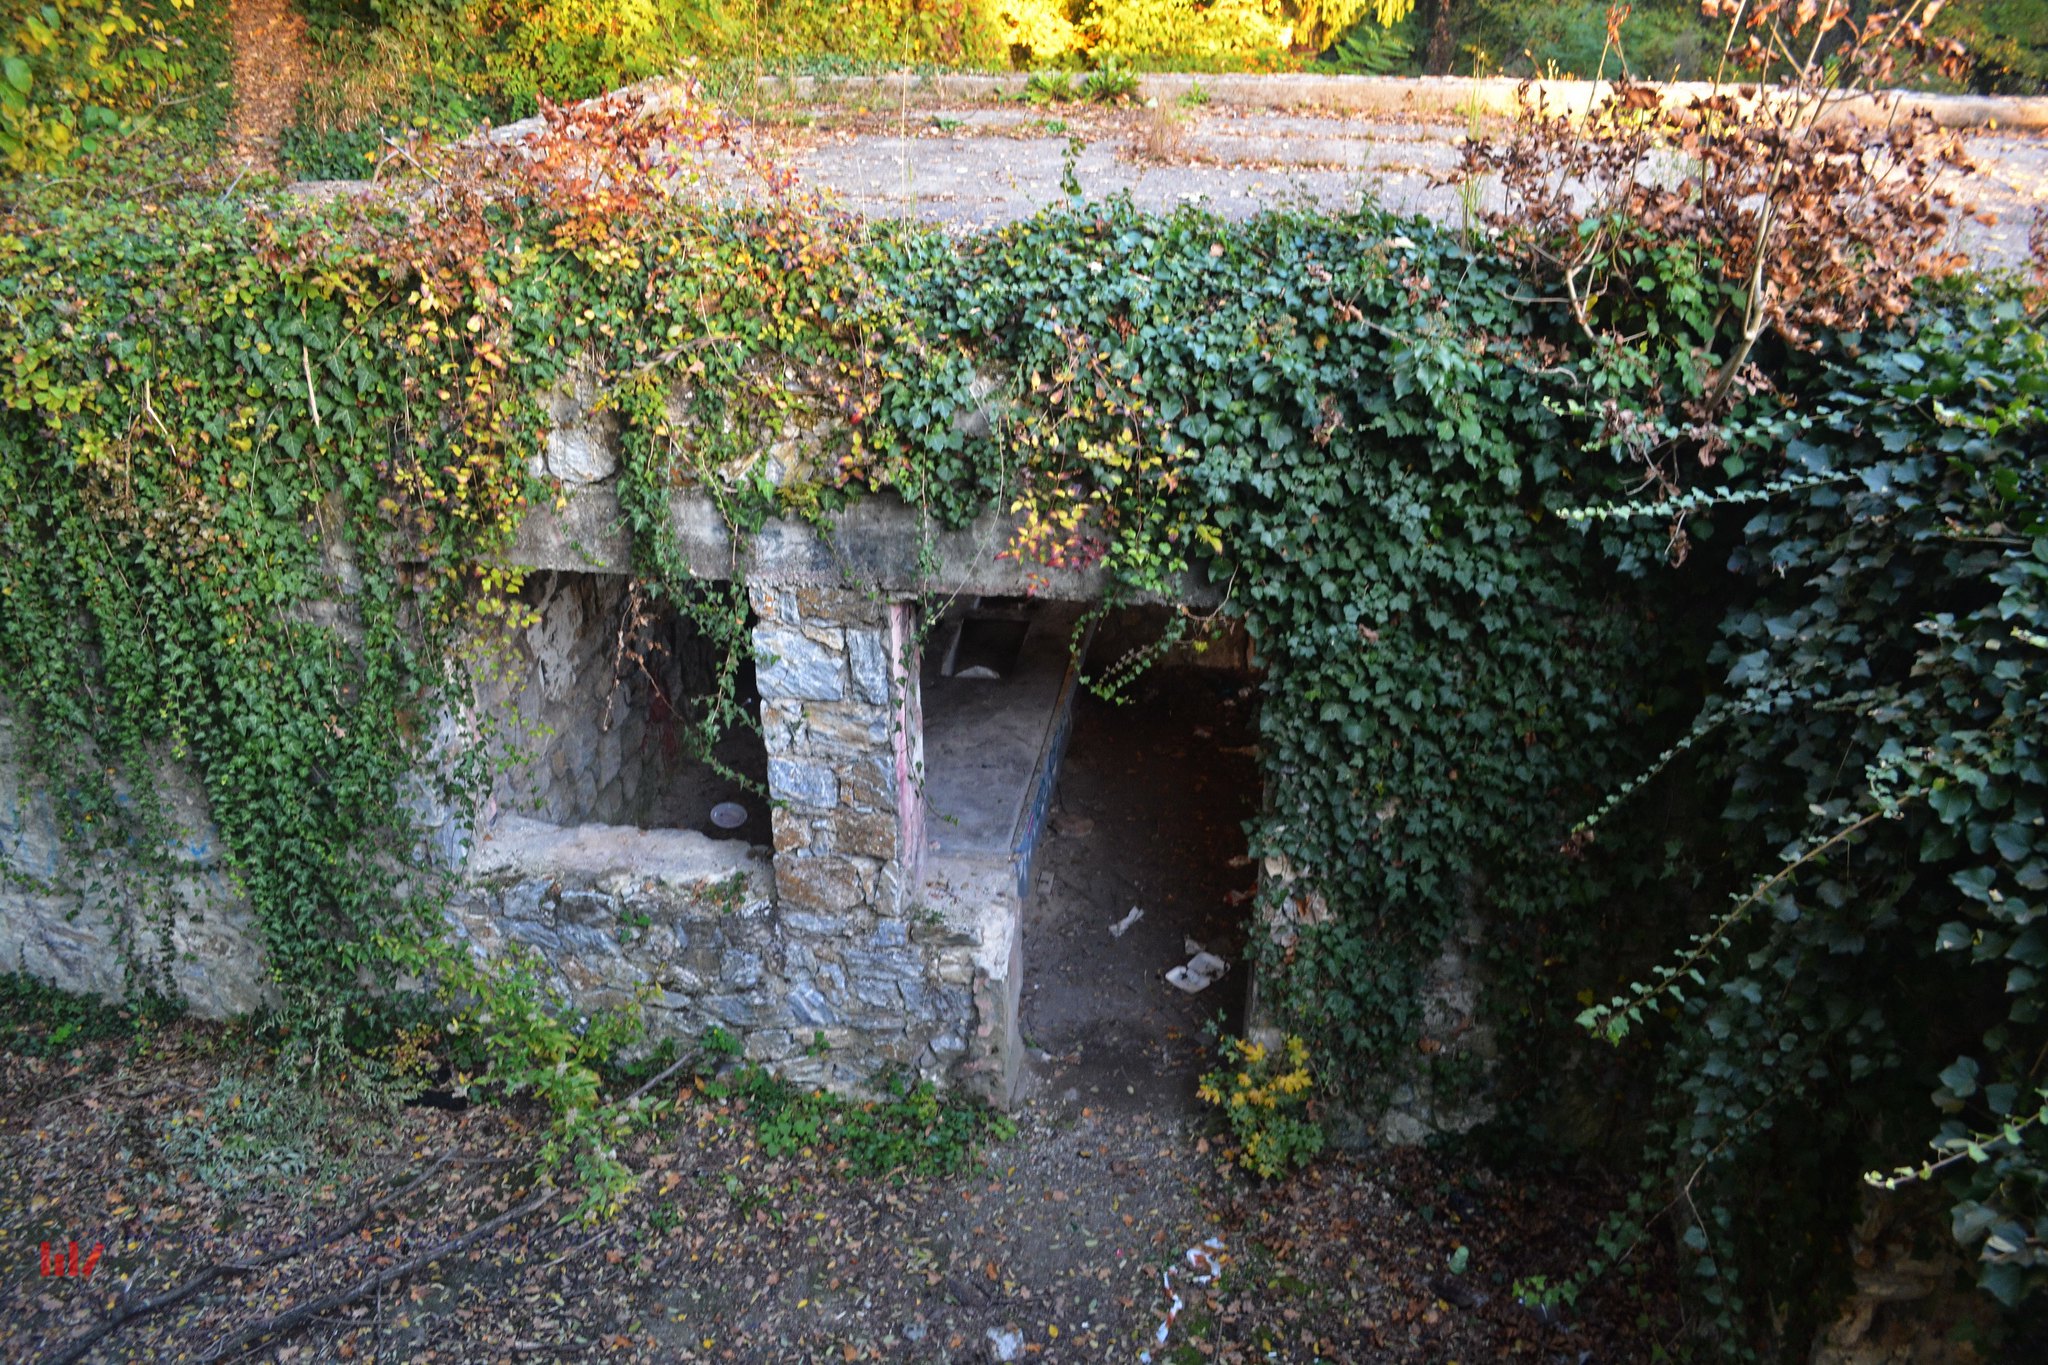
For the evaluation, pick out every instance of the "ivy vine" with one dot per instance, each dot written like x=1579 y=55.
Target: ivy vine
x=258 y=466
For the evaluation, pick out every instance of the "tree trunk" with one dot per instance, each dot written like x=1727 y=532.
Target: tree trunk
x=1442 y=48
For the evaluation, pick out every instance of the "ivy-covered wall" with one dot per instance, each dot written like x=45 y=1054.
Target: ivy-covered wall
x=1407 y=471
x=83 y=925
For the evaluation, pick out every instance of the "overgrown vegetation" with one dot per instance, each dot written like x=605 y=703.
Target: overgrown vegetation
x=1455 y=484
x=88 y=85
x=1265 y=1095
x=912 y=1132
x=38 y=1020
x=394 y=65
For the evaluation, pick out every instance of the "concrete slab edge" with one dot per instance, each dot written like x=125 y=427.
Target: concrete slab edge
x=1437 y=97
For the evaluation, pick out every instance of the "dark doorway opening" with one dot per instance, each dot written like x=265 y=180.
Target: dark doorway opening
x=1150 y=814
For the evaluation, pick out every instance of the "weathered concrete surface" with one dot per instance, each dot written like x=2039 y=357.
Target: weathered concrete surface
x=985 y=738
x=971 y=903
x=80 y=922
x=880 y=542
x=1379 y=97
x=964 y=152
x=993 y=748
x=969 y=168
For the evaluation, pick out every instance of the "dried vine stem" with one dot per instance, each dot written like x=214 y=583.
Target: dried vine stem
x=239 y=1341
x=124 y=1314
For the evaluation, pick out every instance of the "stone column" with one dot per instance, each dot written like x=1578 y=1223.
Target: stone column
x=845 y=737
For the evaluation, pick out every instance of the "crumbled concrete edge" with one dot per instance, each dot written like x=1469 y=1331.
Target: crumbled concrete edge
x=1447 y=97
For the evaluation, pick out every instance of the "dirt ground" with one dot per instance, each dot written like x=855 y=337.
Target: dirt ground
x=1149 y=814
x=270 y=64
x=1053 y=1250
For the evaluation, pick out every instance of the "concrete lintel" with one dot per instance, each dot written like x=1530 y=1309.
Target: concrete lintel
x=877 y=542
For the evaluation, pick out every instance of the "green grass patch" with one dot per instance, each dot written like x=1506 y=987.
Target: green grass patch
x=912 y=1131
x=38 y=1020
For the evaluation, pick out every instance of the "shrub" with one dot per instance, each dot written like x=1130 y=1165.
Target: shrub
x=912 y=1130
x=1265 y=1096
x=77 y=74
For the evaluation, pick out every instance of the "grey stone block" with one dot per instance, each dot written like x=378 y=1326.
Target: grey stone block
x=581 y=455
x=879 y=992
x=534 y=934
x=899 y=965
x=745 y=1011
x=949 y=1005
x=809 y=1007
x=794 y=665
x=805 y=923
x=593 y=942
x=868 y=652
x=525 y=900
x=739 y=970
x=587 y=907
x=803 y=784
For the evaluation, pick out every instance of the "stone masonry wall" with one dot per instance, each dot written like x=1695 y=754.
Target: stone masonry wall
x=840 y=716
x=831 y=937
x=824 y=940
x=558 y=697
x=65 y=920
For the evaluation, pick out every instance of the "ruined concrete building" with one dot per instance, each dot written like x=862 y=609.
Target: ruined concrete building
x=861 y=896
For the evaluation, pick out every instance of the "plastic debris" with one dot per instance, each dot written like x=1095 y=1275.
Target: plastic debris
x=1190 y=947
x=1202 y=971
x=1204 y=1263
x=728 y=815
x=1005 y=1345
x=1118 y=929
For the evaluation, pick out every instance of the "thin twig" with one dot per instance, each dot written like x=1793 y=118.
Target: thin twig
x=125 y=1315
x=238 y=1342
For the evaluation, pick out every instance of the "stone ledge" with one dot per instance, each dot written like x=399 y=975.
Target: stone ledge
x=516 y=846
x=877 y=542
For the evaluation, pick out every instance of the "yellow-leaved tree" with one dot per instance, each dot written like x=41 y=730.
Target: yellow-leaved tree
x=1051 y=32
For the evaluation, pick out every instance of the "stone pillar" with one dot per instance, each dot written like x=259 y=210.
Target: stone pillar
x=845 y=737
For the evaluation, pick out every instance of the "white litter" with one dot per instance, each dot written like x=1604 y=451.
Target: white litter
x=728 y=815
x=1205 y=1261
x=1202 y=971
x=1117 y=930
x=1006 y=1344
x=1190 y=947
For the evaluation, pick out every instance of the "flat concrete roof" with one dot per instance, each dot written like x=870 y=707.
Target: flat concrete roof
x=968 y=152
